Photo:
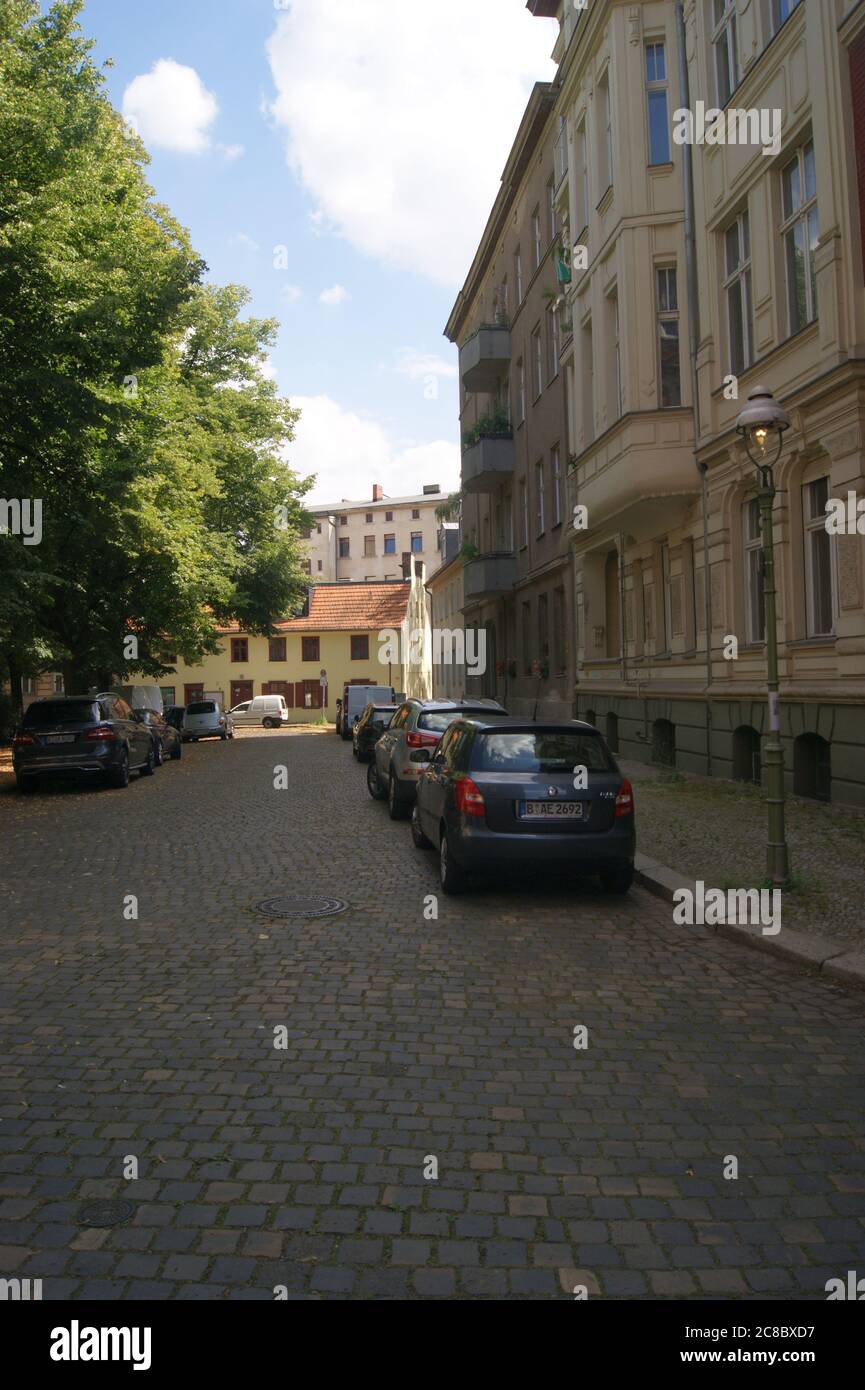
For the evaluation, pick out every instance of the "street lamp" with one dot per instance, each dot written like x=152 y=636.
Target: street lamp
x=761 y=425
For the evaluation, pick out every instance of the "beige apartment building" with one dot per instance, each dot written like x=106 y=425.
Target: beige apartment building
x=368 y=540
x=508 y=326
x=667 y=585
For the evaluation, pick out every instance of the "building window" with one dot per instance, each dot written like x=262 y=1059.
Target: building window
x=737 y=287
x=518 y=275
x=167 y=692
x=415 y=515
x=58 y=686
x=537 y=363
x=543 y=630
x=615 y=352
x=276 y=649
x=755 y=615
x=726 y=49
x=240 y=649
x=524 y=510
x=656 y=96
x=540 y=498
x=560 y=651
x=390 y=545
x=553 y=341
x=360 y=648
x=318 y=530
x=369 y=518
x=537 y=239
x=527 y=638
x=310 y=649
x=605 y=133
x=388 y=516
x=521 y=392
x=669 y=372
x=417 y=542
x=343 y=521
x=307 y=567
x=320 y=566
x=551 y=210
x=821 y=584
x=588 y=382
x=800 y=231
x=369 y=546
x=781 y=12
x=556 y=474
x=582 y=189
x=667 y=593
x=344 y=548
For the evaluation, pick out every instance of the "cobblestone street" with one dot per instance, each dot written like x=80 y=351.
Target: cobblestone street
x=406 y=1038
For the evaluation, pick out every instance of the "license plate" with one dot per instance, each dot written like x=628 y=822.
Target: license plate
x=60 y=738
x=551 y=810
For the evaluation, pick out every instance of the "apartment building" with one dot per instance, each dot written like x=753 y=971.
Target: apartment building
x=368 y=540
x=445 y=589
x=508 y=326
x=669 y=630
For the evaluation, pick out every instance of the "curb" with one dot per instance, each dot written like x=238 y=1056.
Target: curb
x=819 y=954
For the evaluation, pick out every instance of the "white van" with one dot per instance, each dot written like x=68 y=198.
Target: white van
x=355 y=699
x=269 y=710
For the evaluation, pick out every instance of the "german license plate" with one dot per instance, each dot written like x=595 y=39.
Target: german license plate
x=60 y=738
x=551 y=810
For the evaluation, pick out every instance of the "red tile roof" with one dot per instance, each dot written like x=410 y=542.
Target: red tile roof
x=349 y=608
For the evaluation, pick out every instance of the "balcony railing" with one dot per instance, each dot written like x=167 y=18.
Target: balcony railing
x=485 y=357
x=488 y=462
x=488 y=576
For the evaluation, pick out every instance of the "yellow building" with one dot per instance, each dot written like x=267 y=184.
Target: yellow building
x=339 y=638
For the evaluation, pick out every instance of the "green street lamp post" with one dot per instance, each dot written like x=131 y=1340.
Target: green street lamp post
x=761 y=425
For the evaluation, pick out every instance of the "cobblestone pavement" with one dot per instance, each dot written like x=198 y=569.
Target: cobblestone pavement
x=406 y=1038
x=716 y=831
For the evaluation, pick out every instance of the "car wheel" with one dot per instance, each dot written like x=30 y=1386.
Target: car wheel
x=419 y=838
x=27 y=785
x=396 y=806
x=268 y=723
x=223 y=736
x=150 y=766
x=453 y=878
x=618 y=880
x=157 y=753
x=176 y=751
x=119 y=776
x=373 y=783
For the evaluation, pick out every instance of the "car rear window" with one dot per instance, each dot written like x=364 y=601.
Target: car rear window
x=60 y=712
x=202 y=707
x=517 y=750
x=439 y=720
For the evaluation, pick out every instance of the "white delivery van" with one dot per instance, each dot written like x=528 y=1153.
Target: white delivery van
x=355 y=699
x=269 y=710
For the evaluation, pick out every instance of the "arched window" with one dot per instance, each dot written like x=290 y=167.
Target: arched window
x=812 y=767
x=664 y=743
x=746 y=755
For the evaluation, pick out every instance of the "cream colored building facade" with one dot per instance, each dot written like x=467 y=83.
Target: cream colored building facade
x=368 y=540
x=669 y=552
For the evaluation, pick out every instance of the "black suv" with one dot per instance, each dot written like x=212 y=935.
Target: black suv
x=78 y=733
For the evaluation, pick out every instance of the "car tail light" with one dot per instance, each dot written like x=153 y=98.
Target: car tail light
x=222 y=719
x=469 y=798
x=625 y=800
x=421 y=740
x=20 y=739
x=103 y=732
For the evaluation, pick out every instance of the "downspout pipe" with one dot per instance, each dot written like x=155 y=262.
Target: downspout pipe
x=693 y=342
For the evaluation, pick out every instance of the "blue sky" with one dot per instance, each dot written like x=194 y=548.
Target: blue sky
x=364 y=139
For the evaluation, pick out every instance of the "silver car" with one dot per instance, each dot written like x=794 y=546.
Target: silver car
x=205 y=719
x=416 y=724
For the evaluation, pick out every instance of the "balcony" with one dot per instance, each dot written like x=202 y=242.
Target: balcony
x=488 y=576
x=488 y=462
x=485 y=358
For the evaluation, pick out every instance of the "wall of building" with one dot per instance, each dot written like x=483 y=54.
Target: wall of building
x=325 y=562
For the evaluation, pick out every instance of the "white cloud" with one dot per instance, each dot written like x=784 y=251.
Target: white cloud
x=231 y=152
x=170 y=107
x=247 y=242
x=349 y=452
x=337 y=294
x=292 y=293
x=399 y=117
x=417 y=365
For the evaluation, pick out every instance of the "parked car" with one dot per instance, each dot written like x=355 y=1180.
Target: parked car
x=205 y=719
x=269 y=710
x=355 y=699
x=174 y=716
x=508 y=794
x=369 y=729
x=416 y=724
x=81 y=734
x=166 y=738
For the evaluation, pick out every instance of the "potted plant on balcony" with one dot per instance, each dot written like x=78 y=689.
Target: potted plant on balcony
x=494 y=426
x=469 y=551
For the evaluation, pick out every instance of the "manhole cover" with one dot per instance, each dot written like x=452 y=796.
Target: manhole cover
x=312 y=906
x=105 y=1213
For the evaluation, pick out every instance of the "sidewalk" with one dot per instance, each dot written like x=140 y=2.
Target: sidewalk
x=713 y=830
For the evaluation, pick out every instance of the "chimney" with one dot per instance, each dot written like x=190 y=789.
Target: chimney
x=377 y=492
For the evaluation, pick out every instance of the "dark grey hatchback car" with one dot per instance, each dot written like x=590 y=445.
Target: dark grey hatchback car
x=83 y=735
x=528 y=796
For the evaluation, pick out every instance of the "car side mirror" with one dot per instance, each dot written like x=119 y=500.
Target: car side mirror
x=420 y=755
